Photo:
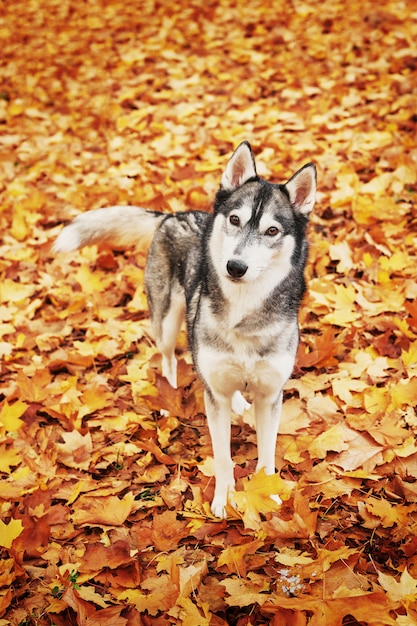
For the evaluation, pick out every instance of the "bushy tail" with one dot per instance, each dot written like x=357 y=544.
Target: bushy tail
x=121 y=226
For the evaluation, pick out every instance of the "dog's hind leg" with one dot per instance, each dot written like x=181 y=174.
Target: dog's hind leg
x=167 y=336
x=218 y=418
x=166 y=305
x=239 y=404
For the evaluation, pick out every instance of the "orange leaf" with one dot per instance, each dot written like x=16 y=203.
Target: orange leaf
x=234 y=557
x=108 y=511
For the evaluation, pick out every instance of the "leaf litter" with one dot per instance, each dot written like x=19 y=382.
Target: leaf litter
x=104 y=499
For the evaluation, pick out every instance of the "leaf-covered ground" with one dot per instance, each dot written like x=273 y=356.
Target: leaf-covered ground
x=104 y=514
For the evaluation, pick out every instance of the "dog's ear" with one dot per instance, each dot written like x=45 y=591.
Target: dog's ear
x=240 y=168
x=302 y=189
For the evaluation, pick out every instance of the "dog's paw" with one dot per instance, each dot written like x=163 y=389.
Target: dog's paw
x=218 y=508
x=222 y=495
x=276 y=498
x=239 y=404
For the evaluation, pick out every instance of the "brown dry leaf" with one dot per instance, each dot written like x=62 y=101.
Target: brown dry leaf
x=113 y=556
x=105 y=510
x=160 y=595
x=76 y=451
x=167 y=530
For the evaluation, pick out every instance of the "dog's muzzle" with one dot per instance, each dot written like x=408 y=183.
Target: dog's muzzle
x=236 y=269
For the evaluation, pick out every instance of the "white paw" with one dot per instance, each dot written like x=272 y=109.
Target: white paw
x=222 y=494
x=218 y=508
x=239 y=404
x=276 y=498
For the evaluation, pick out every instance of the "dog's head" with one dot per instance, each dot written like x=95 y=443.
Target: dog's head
x=259 y=227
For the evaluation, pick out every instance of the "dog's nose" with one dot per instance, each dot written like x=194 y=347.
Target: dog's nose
x=236 y=268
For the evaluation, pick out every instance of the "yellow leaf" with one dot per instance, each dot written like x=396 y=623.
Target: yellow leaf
x=383 y=509
x=19 y=229
x=292 y=557
x=190 y=615
x=89 y=594
x=375 y=399
x=399 y=591
x=92 y=282
x=94 y=398
x=243 y=592
x=234 y=557
x=409 y=357
x=9 y=532
x=9 y=458
x=407 y=448
x=405 y=392
x=10 y=415
x=343 y=386
x=362 y=452
x=12 y=291
x=378 y=184
x=257 y=496
x=139 y=301
x=345 y=308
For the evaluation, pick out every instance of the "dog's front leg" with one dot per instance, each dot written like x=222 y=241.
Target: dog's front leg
x=218 y=417
x=268 y=413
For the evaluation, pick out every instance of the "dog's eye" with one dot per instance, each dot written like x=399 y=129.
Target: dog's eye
x=234 y=220
x=272 y=231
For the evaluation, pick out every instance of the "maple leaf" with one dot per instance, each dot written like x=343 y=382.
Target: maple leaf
x=167 y=530
x=76 y=451
x=107 y=510
x=362 y=452
x=162 y=595
x=115 y=555
x=244 y=592
x=336 y=439
x=191 y=577
x=404 y=393
x=10 y=416
x=234 y=557
x=9 y=457
x=88 y=615
x=258 y=496
x=302 y=524
x=12 y=291
x=9 y=532
x=403 y=591
x=190 y=615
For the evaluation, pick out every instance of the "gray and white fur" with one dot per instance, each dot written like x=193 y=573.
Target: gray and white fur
x=238 y=276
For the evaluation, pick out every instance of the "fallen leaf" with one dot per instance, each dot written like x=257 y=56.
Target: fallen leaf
x=107 y=510
x=9 y=532
x=258 y=496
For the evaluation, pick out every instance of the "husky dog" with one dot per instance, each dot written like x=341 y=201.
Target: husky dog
x=238 y=275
